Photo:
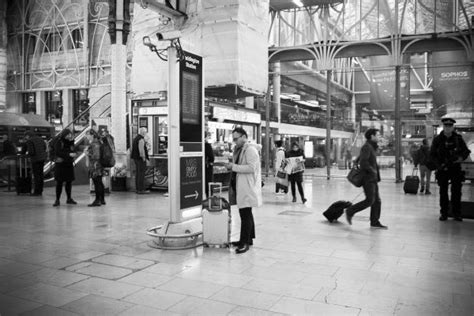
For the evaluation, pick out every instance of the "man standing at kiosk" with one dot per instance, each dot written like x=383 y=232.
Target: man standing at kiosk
x=36 y=151
x=140 y=156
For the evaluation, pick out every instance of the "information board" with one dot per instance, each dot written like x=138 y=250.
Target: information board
x=191 y=181
x=190 y=98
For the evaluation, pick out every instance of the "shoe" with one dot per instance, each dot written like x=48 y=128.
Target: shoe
x=294 y=199
x=56 y=203
x=427 y=192
x=71 y=201
x=378 y=225
x=95 y=203
x=102 y=202
x=422 y=189
x=36 y=194
x=443 y=218
x=143 y=192
x=304 y=200
x=235 y=243
x=349 y=217
x=458 y=218
x=243 y=248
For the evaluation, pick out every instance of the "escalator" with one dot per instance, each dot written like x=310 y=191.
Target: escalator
x=80 y=140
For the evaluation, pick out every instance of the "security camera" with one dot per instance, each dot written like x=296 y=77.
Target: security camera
x=168 y=35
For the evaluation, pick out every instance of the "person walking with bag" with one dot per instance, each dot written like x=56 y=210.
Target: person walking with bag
x=448 y=151
x=96 y=171
x=371 y=176
x=64 y=165
x=297 y=177
x=245 y=188
x=423 y=160
x=279 y=158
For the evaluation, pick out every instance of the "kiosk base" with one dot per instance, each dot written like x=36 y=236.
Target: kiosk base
x=182 y=235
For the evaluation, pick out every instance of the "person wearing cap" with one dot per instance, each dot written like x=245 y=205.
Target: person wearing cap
x=35 y=149
x=447 y=151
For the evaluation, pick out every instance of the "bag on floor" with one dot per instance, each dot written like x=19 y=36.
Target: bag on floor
x=412 y=183
x=336 y=209
x=216 y=218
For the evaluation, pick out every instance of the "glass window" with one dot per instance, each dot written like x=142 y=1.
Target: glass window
x=54 y=107
x=52 y=41
x=76 y=39
x=80 y=103
x=29 y=103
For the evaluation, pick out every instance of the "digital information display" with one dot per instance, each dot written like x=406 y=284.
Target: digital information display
x=191 y=97
x=190 y=111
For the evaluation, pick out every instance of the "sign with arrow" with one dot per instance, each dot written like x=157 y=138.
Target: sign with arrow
x=191 y=181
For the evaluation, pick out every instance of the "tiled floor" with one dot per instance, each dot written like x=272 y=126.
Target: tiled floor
x=75 y=260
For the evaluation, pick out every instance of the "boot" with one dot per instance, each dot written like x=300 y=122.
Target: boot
x=102 y=200
x=95 y=203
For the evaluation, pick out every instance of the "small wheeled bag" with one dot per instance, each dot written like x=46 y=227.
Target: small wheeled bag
x=216 y=218
x=336 y=209
x=412 y=183
x=23 y=177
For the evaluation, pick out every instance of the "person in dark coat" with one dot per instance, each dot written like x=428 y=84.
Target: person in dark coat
x=448 y=150
x=96 y=171
x=36 y=150
x=296 y=178
x=209 y=164
x=64 y=166
x=423 y=160
x=368 y=165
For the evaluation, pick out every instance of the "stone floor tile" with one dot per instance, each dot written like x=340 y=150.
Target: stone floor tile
x=32 y=257
x=54 y=277
x=60 y=262
x=48 y=294
x=18 y=268
x=283 y=288
x=123 y=261
x=200 y=289
x=293 y=306
x=46 y=310
x=222 y=278
x=166 y=268
x=145 y=279
x=10 y=305
x=139 y=310
x=103 y=271
x=97 y=305
x=154 y=298
x=11 y=283
x=247 y=298
x=107 y=288
x=244 y=311
x=201 y=306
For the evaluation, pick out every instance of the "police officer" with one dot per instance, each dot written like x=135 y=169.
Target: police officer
x=448 y=150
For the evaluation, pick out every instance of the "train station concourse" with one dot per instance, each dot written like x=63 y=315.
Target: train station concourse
x=180 y=130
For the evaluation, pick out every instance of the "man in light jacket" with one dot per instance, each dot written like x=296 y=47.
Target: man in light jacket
x=246 y=185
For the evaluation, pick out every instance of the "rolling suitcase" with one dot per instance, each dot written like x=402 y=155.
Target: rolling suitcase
x=23 y=178
x=216 y=218
x=412 y=183
x=336 y=209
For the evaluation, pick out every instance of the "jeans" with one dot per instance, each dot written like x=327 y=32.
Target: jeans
x=38 y=176
x=140 y=174
x=425 y=175
x=98 y=188
x=247 y=226
x=372 y=199
x=300 y=188
x=456 y=178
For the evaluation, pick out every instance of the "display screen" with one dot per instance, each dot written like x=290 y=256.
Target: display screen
x=190 y=111
x=191 y=97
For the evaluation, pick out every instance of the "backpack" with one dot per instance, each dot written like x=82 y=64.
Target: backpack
x=107 y=159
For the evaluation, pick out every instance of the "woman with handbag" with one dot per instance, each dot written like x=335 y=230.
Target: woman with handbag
x=64 y=165
x=297 y=177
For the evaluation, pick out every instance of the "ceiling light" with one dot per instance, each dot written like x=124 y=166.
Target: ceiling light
x=298 y=3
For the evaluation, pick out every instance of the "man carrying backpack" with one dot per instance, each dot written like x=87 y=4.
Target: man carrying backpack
x=423 y=159
x=139 y=155
x=448 y=151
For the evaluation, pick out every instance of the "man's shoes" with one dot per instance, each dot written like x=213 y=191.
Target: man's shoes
x=458 y=218
x=243 y=248
x=349 y=217
x=427 y=192
x=235 y=243
x=143 y=192
x=443 y=218
x=294 y=199
x=304 y=200
x=36 y=194
x=56 y=203
x=93 y=204
x=102 y=202
x=422 y=189
x=71 y=201
x=378 y=225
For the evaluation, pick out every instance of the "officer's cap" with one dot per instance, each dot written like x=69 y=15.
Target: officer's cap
x=448 y=120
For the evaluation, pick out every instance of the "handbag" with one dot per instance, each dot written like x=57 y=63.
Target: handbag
x=356 y=176
x=281 y=174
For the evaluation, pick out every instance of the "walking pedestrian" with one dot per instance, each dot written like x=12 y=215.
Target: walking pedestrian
x=35 y=149
x=423 y=160
x=296 y=177
x=279 y=158
x=368 y=165
x=64 y=165
x=96 y=171
x=139 y=155
x=245 y=188
x=448 y=151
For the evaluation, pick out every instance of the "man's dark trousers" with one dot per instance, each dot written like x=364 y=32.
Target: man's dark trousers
x=372 y=199
x=38 y=176
x=140 y=174
x=456 y=177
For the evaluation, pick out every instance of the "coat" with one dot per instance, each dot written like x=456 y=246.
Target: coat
x=279 y=157
x=93 y=154
x=368 y=162
x=36 y=148
x=444 y=151
x=64 y=166
x=248 y=177
x=298 y=176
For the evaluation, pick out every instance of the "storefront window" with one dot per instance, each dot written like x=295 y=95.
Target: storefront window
x=54 y=108
x=80 y=103
x=29 y=103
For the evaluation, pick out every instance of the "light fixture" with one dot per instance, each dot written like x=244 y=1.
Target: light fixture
x=298 y=3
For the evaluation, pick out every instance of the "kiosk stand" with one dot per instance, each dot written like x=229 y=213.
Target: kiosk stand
x=185 y=153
